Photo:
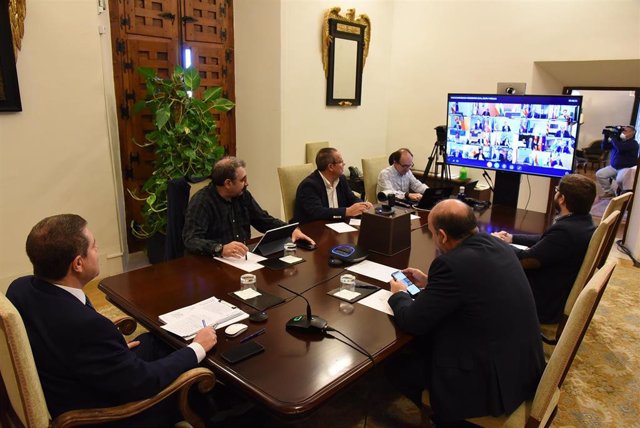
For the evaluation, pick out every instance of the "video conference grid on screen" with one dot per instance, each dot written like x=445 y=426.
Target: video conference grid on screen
x=528 y=134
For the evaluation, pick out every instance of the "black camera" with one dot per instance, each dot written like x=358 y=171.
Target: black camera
x=612 y=131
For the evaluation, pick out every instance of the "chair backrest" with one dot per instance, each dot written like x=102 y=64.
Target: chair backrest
x=290 y=177
x=371 y=167
x=619 y=203
x=179 y=193
x=548 y=391
x=18 y=369
x=594 y=252
x=312 y=149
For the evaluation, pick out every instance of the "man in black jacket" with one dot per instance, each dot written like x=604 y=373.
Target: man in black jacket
x=82 y=359
x=553 y=259
x=475 y=321
x=624 y=154
x=325 y=193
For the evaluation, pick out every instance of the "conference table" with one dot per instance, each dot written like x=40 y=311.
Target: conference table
x=297 y=372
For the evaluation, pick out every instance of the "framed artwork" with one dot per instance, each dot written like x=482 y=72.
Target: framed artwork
x=9 y=91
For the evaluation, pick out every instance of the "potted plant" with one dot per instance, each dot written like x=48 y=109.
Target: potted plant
x=184 y=141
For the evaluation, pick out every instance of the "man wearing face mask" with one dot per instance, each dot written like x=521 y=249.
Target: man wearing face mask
x=624 y=154
x=553 y=259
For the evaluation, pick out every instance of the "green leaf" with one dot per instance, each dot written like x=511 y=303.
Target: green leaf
x=139 y=106
x=162 y=116
x=211 y=94
x=191 y=79
x=223 y=104
x=147 y=72
x=190 y=153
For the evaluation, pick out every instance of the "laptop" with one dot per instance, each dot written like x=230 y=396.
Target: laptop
x=273 y=240
x=432 y=196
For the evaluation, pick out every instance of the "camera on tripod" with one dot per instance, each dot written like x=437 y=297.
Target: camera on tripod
x=612 y=130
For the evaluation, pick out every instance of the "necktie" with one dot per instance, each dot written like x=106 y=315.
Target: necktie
x=89 y=304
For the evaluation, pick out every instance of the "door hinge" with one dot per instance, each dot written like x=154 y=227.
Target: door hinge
x=223 y=10
x=128 y=173
x=223 y=34
x=130 y=96
x=120 y=46
x=134 y=158
x=128 y=65
x=125 y=21
x=124 y=111
x=228 y=55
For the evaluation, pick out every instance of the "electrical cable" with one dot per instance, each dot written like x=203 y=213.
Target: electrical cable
x=364 y=352
x=627 y=251
x=528 y=197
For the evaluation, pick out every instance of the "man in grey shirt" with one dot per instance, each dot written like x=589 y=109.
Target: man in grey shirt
x=398 y=179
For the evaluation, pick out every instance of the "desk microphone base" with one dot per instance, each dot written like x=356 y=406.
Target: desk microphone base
x=301 y=324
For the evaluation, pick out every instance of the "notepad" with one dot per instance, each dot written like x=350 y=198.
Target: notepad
x=186 y=322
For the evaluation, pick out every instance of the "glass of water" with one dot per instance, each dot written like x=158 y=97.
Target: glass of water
x=248 y=281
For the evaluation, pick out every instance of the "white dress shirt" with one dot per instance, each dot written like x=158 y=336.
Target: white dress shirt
x=389 y=180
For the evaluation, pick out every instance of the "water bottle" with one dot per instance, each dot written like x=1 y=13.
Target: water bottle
x=461 y=195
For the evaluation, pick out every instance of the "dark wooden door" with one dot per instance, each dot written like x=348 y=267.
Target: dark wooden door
x=155 y=34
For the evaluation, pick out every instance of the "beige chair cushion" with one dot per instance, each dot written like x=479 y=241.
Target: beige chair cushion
x=312 y=149
x=290 y=177
x=18 y=368
x=195 y=187
x=371 y=168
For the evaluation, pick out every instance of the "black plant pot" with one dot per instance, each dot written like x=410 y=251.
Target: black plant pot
x=155 y=248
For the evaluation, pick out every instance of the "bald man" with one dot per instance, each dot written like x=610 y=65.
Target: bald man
x=478 y=348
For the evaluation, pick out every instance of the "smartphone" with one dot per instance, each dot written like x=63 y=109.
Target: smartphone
x=411 y=287
x=242 y=352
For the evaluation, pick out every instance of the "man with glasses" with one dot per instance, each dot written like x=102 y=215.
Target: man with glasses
x=398 y=179
x=325 y=194
x=552 y=260
x=219 y=217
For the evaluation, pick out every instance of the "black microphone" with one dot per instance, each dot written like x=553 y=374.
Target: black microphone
x=487 y=178
x=305 y=324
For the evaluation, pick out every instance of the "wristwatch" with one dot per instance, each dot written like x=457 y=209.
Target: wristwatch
x=217 y=250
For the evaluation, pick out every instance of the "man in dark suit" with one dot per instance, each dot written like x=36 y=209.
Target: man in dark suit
x=325 y=193
x=553 y=259
x=82 y=359
x=475 y=321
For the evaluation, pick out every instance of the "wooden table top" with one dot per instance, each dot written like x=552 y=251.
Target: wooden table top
x=296 y=373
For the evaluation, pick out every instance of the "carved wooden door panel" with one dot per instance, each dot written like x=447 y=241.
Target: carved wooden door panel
x=154 y=33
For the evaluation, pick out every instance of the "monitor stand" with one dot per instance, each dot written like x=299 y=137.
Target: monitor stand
x=507 y=188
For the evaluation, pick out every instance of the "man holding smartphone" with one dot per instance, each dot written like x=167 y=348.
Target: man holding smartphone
x=478 y=350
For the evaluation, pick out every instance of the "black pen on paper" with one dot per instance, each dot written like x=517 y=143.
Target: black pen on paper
x=252 y=335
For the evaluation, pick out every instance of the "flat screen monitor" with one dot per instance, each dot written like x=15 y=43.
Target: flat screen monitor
x=526 y=134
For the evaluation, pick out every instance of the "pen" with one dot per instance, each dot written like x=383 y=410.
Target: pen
x=252 y=335
x=204 y=324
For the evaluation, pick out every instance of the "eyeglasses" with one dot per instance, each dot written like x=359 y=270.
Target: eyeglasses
x=406 y=166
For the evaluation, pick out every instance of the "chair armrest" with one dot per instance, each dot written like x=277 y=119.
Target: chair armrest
x=126 y=325
x=548 y=341
x=204 y=378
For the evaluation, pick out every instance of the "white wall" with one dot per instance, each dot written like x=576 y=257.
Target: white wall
x=602 y=108
x=55 y=155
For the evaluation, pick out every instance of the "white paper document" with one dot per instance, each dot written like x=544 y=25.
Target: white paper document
x=415 y=217
x=378 y=301
x=373 y=270
x=291 y=259
x=355 y=222
x=247 y=294
x=186 y=322
x=248 y=265
x=346 y=294
x=341 y=227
